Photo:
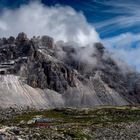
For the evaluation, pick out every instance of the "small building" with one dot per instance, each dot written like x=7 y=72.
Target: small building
x=41 y=122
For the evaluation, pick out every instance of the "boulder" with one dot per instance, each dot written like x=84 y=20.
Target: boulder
x=11 y=40
x=47 y=41
x=21 y=37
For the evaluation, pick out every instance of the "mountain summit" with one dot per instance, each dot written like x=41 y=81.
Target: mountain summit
x=42 y=73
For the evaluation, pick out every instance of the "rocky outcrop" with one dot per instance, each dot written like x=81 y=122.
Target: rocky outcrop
x=48 y=72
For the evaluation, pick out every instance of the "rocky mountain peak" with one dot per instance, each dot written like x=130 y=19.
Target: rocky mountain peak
x=22 y=37
x=76 y=75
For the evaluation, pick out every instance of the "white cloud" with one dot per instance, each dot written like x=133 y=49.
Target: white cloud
x=125 y=47
x=60 y=22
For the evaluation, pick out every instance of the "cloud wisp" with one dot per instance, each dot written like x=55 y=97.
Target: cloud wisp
x=59 y=22
x=126 y=15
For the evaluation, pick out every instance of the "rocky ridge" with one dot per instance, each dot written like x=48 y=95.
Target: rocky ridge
x=39 y=72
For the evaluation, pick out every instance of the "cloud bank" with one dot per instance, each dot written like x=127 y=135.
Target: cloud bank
x=59 y=22
x=125 y=47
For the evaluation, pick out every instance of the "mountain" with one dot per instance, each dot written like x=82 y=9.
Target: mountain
x=42 y=73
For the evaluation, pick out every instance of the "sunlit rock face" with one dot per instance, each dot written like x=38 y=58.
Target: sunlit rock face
x=42 y=73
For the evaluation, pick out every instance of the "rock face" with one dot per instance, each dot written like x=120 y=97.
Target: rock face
x=47 y=72
x=37 y=72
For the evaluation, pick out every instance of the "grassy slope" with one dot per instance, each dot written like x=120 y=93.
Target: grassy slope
x=72 y=122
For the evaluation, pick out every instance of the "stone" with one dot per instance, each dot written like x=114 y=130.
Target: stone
x=11 y=40
x=47 y=41
x=100 y=48
x=21 y=37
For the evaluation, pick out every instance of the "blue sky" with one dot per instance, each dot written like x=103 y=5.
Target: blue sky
x=97 y=12
x=116 y=21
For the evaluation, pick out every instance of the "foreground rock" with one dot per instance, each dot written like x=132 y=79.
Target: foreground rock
x=82 y=124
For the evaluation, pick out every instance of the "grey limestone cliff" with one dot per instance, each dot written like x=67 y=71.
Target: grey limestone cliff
x=39 y=72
